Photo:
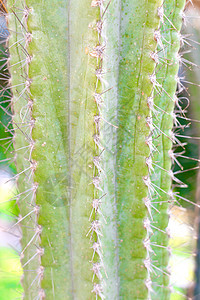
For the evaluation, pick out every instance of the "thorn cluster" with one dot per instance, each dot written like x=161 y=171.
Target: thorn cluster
x=23 y=124
x=97 y=52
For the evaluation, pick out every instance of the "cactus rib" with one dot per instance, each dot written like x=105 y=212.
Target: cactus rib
x=163 y=120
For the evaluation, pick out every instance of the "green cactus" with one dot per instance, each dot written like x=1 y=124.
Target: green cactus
x=94 y=86
x=163 y=120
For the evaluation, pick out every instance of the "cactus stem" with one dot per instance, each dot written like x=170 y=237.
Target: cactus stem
x=125 y=87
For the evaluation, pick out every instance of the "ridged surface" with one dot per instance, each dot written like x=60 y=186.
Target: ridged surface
x=165 y=101
x=132 y=26
x=21 y=106
x=62 y=81
x=54 y=97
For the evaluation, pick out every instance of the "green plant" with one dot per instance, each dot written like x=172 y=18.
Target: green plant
x=94 y=86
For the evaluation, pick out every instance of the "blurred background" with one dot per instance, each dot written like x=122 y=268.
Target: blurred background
x=10 y=268
x=184 y=218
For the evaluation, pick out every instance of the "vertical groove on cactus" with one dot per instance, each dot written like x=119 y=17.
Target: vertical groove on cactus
x=111 y=32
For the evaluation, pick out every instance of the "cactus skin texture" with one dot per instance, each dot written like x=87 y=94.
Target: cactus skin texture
x=82 y=77
x=162 y=178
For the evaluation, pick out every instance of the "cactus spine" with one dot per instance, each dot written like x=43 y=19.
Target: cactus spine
x=84 y=83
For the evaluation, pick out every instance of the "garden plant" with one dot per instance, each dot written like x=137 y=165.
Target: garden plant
x=93 y=88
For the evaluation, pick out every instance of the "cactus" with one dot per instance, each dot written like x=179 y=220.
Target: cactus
x=93 y=116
